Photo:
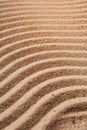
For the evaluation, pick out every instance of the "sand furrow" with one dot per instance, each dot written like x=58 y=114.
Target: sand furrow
x=33 y=91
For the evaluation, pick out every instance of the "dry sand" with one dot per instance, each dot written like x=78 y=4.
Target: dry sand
x=43 y=65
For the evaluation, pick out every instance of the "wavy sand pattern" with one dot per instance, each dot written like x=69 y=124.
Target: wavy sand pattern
x=43 y=65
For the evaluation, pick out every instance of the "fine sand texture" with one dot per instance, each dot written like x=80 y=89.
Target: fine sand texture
x=43 y=64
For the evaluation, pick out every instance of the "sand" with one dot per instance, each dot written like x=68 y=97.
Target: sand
x=43 y=65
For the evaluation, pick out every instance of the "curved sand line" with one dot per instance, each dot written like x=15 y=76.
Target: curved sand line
x=34 y=90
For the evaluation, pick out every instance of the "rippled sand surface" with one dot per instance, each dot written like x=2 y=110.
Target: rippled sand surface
x=43 y=65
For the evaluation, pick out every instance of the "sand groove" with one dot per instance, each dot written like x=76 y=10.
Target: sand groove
x=43 y=65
